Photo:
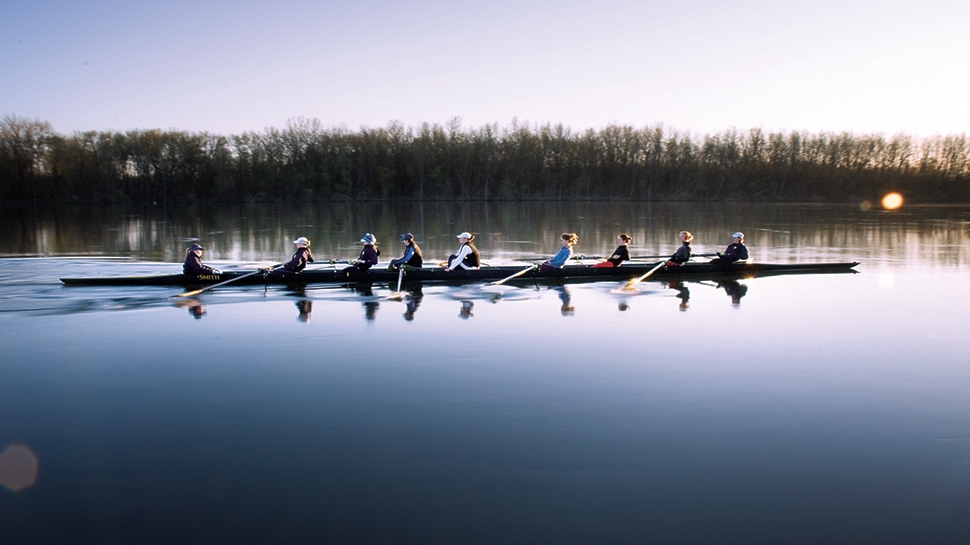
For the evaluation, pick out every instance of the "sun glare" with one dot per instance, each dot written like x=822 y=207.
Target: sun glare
x=892 y=201
x=18 y=468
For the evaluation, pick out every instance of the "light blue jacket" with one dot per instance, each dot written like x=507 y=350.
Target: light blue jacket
x=562 y=257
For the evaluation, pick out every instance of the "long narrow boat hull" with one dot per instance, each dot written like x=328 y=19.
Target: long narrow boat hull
x=578 y=273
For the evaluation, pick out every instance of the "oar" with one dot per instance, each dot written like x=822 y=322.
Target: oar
x=231 y=280
x=516 y=275
x=332 y=262
x=400 y=276
x=632 y=283
x=652 y=257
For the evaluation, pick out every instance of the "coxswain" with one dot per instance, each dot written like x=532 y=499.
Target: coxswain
x=193 y=262
x=467 y=256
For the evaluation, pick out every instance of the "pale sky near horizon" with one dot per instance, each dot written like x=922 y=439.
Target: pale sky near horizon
x=701 y=66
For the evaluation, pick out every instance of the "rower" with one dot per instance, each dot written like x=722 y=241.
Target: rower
x=682 y=255
x=467 y=256
x=735 y=251
x=300 y=258
x=193 y=262
x=412 y=254
x=566 y=241
x=621 y=254
x=368 y=254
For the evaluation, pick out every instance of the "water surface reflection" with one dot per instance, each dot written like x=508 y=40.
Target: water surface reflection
x=825 y=408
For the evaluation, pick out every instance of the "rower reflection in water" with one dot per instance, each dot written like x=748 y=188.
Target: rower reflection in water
x=682 y=293
x=196 y=309
x=413 y=301
x=567 y=309
x=735 y=291
x=305 y=307
x=466 y=310
x=370 y=304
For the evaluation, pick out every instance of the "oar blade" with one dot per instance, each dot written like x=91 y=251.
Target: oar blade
x=631 y=285
x=188 y=294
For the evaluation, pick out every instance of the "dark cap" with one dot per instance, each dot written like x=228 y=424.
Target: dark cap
x=407 y=236
x=195 y=247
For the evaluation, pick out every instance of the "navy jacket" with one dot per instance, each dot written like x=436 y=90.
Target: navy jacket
x=369 y=257
x=299 y=260
x=412 y=257
x=193 y=265
x=734 y=252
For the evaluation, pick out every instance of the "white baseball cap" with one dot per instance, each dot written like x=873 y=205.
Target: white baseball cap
x=464 y=234
x=302 y=240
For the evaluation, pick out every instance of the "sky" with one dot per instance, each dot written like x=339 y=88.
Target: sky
x=697 y=66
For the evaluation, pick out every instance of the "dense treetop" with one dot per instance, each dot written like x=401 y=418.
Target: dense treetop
x=306 y=161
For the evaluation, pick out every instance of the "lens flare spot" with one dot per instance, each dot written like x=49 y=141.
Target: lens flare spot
x=18 y=468
x=886 y=280
x=865 y=206
x=892 y=201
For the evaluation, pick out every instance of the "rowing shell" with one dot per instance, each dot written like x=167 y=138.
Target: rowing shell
x=437 y=274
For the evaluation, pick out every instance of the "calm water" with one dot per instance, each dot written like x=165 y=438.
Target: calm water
x=804 y=409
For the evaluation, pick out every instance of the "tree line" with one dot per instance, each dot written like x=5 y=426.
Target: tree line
x=306 y=161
